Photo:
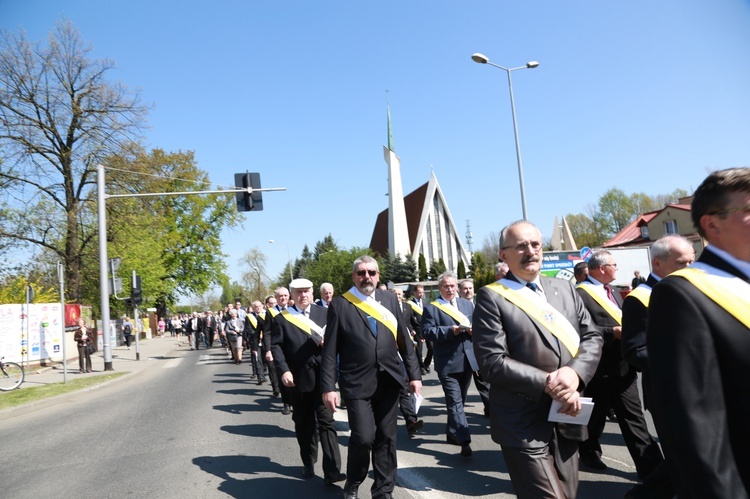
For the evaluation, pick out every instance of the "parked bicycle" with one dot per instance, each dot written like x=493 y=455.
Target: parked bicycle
x=11 y=375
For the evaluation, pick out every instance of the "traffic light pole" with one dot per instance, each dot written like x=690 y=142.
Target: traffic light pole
x=101 y=197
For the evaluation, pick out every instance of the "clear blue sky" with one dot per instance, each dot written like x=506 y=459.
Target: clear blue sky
x=641 y=95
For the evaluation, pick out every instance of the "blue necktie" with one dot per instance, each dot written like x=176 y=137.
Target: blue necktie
x=532 y=286
x=373 y=325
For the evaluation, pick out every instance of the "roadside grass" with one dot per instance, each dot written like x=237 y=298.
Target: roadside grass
x=34 y=393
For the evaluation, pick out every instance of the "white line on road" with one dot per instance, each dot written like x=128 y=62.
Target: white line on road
x=172 y=363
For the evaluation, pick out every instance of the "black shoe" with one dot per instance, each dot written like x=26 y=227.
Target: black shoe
x=451 y=439
x=414 y=426
x=594 y=462
x=276 y=394
x=350 y=491
x=308 y=471
x=611 y=416
x=427 y=369
x=260 y=381
x=466 y=450
x=424 y=372
x=286 y=410
x=339 y=477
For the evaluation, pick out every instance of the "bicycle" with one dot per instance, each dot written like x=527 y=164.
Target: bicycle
x=12 y=375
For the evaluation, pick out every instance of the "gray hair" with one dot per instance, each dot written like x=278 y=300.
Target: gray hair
x=446 y=275
x=365 y=259
x=598 y=259
x=326 y=285
x=661 y=248
x=504 y=232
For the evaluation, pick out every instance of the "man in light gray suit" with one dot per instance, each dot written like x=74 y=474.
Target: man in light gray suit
x=534 y=342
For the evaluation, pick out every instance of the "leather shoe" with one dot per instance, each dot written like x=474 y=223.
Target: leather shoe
x=593 y=461
x=424 y=372
x=451 y=439
x=308 y=471
x=350 y=491
x=414 y=426
x=286 y=410
x=466 y=450
x=339 y=477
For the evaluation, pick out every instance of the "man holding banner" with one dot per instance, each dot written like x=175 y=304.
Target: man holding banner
x=535 y=343
x=367 y=330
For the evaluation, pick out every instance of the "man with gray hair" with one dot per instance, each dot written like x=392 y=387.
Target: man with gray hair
x=326 y=295
x=668 y=254
x=447 y=323
x=366 y=329
x=615 y=383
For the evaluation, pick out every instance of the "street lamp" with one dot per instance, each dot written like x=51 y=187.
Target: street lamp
x=483 y=59
x=288 y=257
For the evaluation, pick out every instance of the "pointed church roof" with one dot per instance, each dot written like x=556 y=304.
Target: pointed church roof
x=413 y=202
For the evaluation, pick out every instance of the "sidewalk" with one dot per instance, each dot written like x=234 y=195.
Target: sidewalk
x=123 y=360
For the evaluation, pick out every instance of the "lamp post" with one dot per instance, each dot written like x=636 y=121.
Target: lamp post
x=288 y=257
x=483 y=59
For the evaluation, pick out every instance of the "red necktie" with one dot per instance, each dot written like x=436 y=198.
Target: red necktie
x=610 y=295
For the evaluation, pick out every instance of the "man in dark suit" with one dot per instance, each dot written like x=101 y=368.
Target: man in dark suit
x=405 y=399
x=417 y=303
x=209 y=328
x=281 y=297
x=194 y=328
x=698 y=339
x=534 y=342
x=326 y=295
x=447 y=323
x=265 y=342
x=668 y=254
x=366 y=329
x=296 y=344
x=615 y=383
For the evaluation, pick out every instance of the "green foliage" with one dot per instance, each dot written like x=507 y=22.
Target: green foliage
x=397 y=269
x=461 y=271
x=13 y=290
x=422 y=267
x=436 y=269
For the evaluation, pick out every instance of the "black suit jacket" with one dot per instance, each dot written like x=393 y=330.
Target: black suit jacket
x=611 y=363
x=209 y=325
x=295 y=351
x=451 y=350
x=515 y=353
x=189 y=326
x=633 y=343
x=699 y=356
x=361 y=355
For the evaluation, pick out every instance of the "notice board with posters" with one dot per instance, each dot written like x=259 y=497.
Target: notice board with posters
x=35 y=330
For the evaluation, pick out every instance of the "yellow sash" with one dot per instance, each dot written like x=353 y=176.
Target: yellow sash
x=548 y=316
x=273 y=311
x=729 y=292
x=603 y=301
x=416 y=308
x=454 y=313
x=253 y=320
x=642 y=293
x=376 y=311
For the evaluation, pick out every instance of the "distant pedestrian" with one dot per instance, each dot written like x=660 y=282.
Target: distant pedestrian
x=83 y=338
x=127 y=331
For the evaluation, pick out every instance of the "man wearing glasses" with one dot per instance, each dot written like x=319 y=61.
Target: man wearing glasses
x=534 y=343
x=698 y=339
x=615 y=383
x=367 y=330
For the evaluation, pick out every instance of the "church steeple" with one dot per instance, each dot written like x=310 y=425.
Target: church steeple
x=398 y=233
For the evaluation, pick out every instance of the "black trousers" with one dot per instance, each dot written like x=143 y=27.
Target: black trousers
x=313 y=423
x=373 y=424
x=621 y=394
x=428 y=357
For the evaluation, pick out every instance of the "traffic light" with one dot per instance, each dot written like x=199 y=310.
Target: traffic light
x=136 y=295
x=245 y=200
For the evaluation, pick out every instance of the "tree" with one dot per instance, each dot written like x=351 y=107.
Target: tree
x=252 y=278
x=59 y=118
x=422 y=268
x=173 y=242
x=584 y=230
x=461 y=271
x=436 y=269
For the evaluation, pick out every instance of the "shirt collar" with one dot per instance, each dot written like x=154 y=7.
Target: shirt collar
x=741 y=265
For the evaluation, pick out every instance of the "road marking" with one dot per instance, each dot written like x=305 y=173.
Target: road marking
x=172 y=363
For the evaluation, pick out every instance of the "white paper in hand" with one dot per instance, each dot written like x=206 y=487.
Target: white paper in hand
x=583 y=417
x=417 y=399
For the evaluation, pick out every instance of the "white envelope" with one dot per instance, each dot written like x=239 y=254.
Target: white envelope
x=583 y=417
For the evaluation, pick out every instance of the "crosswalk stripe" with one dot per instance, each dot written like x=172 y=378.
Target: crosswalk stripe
x=172 y=363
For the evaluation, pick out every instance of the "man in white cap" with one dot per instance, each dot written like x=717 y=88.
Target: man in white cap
x=296 y=341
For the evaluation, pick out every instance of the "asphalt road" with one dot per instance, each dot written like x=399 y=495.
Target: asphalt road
x=195 y=425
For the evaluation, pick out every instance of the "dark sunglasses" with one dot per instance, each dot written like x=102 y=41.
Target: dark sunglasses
x=362 y=273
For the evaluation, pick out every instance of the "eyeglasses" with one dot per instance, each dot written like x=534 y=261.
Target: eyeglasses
x=613 y=265
x=362 y=273
x=742 y=209
x=522 y=247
